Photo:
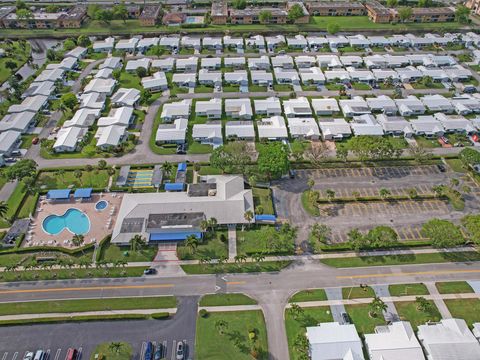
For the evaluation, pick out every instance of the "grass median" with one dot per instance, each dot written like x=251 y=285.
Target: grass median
x=81 y=305
x=433 y=258
x=267 y=266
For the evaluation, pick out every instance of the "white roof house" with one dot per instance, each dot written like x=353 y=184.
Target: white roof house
x=121 y=116
x=437 y=102
x=158 y=81
x=147 y=42
x=31 y=103
x=304 y=61
x=396 y=341
x=337 y=75
x=83 y=118
x=337 y=41
x=476 y=330
x=299 y=107
x=409 y=74
x=108 y=136
x=329 y=341
x=435 y=74
x=209 y=77
x=235 y=62
x=171 y=42
x=325 y=106
x=312 y=75
x=240 y=130
x=449 y=339
x=282 y=61
x=209 y=133
x=185 y=80
x=133 y=65
x=127 y=44
x=409 y=106
x=395 y=125
x=175 y=110
x=68 y=139
x=273 y=128
x=394 y=61
x=329 y=61
x=239 y=108
x=366 y=125
x=212 y=42
x=67 y=64
x=126 y=97
x=232 y=41
x=172 y=133
x=191 y=42
x=101 y=86
x=286 y=76
x=381 y=75
x=303 y=128
x=260 y=63
x=187 y=64
x=379 y=40
x=455 y=123
x=211 y=63
x=105 y=73
x=20 y=122
x=210 y=108
x=40 y=88
x=297 y=41
x=358 y=75
x=9 y=141
x=274 y=41
x=351 y=60
x=457 y=73
x=77 y=53
x=383 y=104
x=105 y=45
x=50 y=75
x=354 y=107
x=334 y=129
x=375 y=61
x=236 y=77
x=165 y=64
x=358 y=41
x=261 y=77
x=427 y=126
x=92 y=101
x=270 y=106
x=111 y=62
x=316 y=41
x=257 y=41
x=466 y=104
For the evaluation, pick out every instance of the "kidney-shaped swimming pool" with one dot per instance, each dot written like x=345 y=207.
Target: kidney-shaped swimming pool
x=74 y=220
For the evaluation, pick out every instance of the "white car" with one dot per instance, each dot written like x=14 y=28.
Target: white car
x=28 y=356
x=180 y=350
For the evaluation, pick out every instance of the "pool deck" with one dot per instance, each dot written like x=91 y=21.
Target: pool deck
x=98 y=220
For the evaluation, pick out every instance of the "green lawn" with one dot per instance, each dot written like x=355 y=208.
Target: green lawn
x=19 y=258
x=13 y=203
x=308 y=206
x=407 y=310
x=264 y=239
x=453 y=287
x=309 y=295
x=129 y=80
x=311 y=317
x=257 y=88
x=209 y=170
x=111 y=252
x=68 y=306
x=212 y=246
x=212 y=345
x=427 y=143
x=433 y=85
x=28 y=206
x=123 y=353
x=433 y=258
x=467 y=309
x=203 y=89
x=456 y=165
x=59 y=180
x=226 y=300
x=263 y=197
x=197 y=148
x=364 y=323
x=356 y=292
x=27 y=141
x=19 y=56
x=266 y=266
x=361 y=86
x=282 y=87
x=408 y=289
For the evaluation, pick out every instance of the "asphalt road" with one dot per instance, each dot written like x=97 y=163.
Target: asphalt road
x=59 y=337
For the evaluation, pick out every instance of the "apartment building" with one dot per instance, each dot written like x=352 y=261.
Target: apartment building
x=335 y=8
x=149 y=15
x=71 y=18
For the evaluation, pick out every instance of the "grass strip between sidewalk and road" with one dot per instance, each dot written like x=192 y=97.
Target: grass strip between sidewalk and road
x=226 y=300
x=432 y=258
x=71 y=306
x=267 y=266
x=83 y=318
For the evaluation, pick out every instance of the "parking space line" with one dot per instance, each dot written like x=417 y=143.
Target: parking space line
x=174 y=348
x=57 y=354
x=165 y=349
x=4 y=356
x=15 y=355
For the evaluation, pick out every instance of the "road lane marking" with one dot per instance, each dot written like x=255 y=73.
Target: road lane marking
x=235 y=282
x=117 y=287
x=438 y=272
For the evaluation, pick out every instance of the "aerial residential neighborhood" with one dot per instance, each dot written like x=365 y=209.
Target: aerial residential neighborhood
x=234 y=179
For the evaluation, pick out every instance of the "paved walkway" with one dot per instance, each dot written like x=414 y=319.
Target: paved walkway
x=475 y=285
x=230 y=308
x=391 y=313
x=232 y=242
x=7 y=190
x=438 y=300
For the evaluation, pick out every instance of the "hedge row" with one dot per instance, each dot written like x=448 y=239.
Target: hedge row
x=399 y=246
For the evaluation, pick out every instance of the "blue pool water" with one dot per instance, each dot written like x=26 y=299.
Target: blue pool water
x=190 y=20
x=101 y=205
x=73 y=220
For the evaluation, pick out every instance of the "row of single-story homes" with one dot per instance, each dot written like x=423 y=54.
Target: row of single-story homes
x=447 y=339
x=21 y=118
x=112 y=128
x=175 y=42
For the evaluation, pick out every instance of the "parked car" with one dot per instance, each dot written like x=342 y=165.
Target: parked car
x=181 y=149
x=35 y=140
x=180 y=350
x=444 y=139
x=158 y=353
x=28 y=356
x=148 y=351
x=150 y=271
x=72 y=354
x=441 y=168
x=39 y=355
x=346 y=318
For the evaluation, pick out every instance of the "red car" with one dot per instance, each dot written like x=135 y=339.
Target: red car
x=35 y=140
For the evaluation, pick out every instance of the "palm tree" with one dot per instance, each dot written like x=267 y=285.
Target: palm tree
x=204 y=225
x=221 y=325
x=167 y=168
x=3 y=209
x=115 y=346
x=377 y=305
x=384 y=193
x=191 y=242
x=258 y=258
x=296 y=311
x=310 y=183
x=78 y=240
x=330 y=194
x=248 y=216
x=137 y=242
x=423 y=304
x=212 y=222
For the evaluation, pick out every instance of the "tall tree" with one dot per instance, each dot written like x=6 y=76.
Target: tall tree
x=265 y=16
x=377 y=306
x=137 y=242
x=21 y=169
x=295 y=12
x=462 y=14
x=442 y=233
x=191 y=242
x=405 y=13
x=273 y=160
x=3 y=209
x=232 y=157
x=120 y=12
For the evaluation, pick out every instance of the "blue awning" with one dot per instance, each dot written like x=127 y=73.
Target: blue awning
x=182 y=167
x=265 y=217
x=173 y=236
x=174 y=187
x=83 y=193
x=58 y=194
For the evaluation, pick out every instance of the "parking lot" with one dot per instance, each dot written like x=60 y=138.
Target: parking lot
x=51 y=354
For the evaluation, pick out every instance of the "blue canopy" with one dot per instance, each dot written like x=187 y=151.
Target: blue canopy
x=83 y=193
x=58 y=194
x=174 y=186
x=173 y=236
x=265 y=217
x=182 y=167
